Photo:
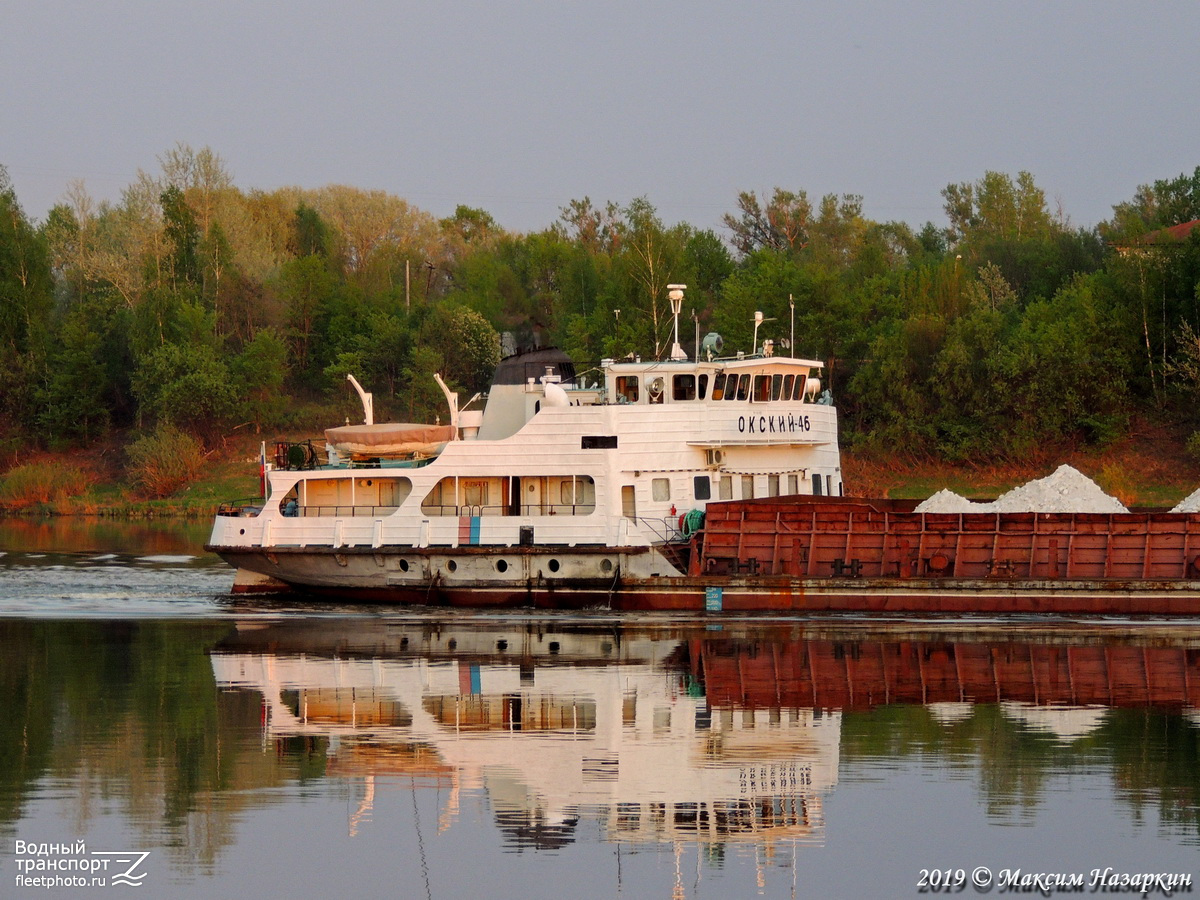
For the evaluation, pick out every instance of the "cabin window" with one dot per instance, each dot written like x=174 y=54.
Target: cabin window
x=703 y=385
x=290 y=505
x=747 y=487
x=627 y=389
x=703 y=487
x=725 y=487
x=793 y=484
x=578 y=495
x=762 y=388
x=798 y=391
x=346 y=496
x=743 y=388
x=475 y=494
x=683 y=387
x=817 y=491
x=432 y=504
x=776 y=386
x=628 y=502
x=660 y=488
x=772 y=485
x=528 y=495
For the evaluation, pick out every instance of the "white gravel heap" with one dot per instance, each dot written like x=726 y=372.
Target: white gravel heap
x=1066 y=490
x=1189 y=504
x=946 y=501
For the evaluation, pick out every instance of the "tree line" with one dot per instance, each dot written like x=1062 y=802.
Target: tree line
x=197 y=304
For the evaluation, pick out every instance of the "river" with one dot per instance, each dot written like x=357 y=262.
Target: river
x=169 y=740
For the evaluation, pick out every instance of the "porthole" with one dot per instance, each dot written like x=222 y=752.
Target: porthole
x=502 y=565
x=451 y=566
x=501 y=645
x=606 y=565
x=553 y=565
x=242 y=531
x=404 y=565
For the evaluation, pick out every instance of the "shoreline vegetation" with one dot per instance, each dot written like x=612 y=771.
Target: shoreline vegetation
x=1152 y=470
x=145 y=344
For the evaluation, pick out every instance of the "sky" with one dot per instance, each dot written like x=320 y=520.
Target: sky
x=520 y=107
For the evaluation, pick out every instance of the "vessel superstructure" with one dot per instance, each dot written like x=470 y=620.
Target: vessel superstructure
x=560 y=485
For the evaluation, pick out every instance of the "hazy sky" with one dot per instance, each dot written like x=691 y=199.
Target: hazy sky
x=520 y=107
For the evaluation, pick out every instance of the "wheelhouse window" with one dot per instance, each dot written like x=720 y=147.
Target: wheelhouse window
x=683 y=387
x=627 y=389
x=718 y=391
x=762 y=388
x=798 y=390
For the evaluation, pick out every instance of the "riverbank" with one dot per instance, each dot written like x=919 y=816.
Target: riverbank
x=1149 y=468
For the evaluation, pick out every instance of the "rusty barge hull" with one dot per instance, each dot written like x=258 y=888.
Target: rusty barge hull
x=815 y=537
x=782 y=595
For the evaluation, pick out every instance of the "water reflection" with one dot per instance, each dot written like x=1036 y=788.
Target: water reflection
x=748 y=746
x=616 y=725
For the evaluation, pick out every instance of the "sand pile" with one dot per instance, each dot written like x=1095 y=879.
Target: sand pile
x=946 y=501
x=1066 y=490
x=1189 y=504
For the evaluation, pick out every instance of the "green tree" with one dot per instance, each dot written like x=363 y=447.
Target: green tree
x=306 y=287
x=186 y=385
x=183 y=238
x=259 y=373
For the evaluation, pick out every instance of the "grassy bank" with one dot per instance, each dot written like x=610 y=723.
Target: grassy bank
x=96 y=482
x=1149 y=468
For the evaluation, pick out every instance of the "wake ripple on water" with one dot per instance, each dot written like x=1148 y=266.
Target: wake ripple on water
x=61 y=584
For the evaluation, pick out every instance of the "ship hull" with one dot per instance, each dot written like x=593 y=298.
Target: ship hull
x=351 y=575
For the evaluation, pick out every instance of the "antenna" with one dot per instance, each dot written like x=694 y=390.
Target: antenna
x=675 y=295
x=792 y=343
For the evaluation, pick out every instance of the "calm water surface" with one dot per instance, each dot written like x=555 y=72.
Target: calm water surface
x=269 y=748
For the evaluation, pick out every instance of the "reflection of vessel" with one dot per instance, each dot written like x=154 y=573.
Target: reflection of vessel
x=669 y=733
x=554 y=726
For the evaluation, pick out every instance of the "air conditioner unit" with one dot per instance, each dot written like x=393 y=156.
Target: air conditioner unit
x=714 y=457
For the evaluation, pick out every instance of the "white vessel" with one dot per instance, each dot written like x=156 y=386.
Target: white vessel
x=561 y=490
